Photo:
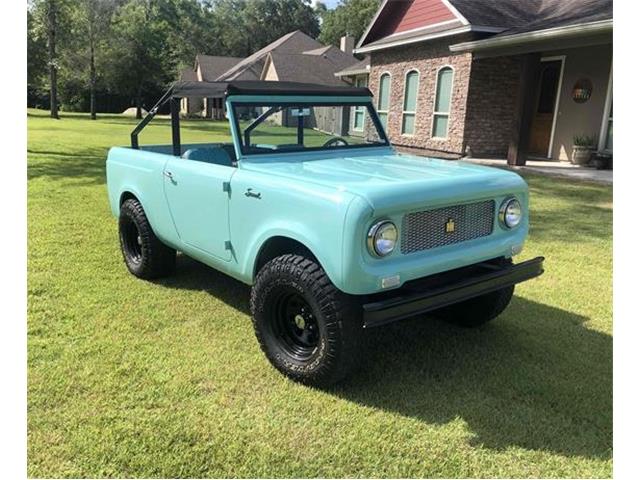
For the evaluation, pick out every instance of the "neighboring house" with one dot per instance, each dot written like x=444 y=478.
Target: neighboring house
x=293 y=57
x=206 y=68
x=514 y=78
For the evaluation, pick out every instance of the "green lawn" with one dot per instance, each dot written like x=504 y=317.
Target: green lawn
x=129 y=378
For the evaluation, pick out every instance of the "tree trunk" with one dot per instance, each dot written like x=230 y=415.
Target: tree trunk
x=92 y=81
x=139 y=102
x=53 y=69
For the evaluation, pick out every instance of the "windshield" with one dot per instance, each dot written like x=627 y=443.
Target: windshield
x=275 y=128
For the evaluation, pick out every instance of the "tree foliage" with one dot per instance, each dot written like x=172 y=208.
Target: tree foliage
x=131 y=49
x=350 y=17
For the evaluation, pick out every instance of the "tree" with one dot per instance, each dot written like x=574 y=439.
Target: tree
x=36 y=53
x=245 y=26
x=91 y=21
x=50 y=21
x=137 y=52
x=350 y=17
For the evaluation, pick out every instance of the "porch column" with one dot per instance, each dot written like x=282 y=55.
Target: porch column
x=525 y=103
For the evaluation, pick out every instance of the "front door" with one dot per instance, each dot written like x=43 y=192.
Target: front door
x=199 y=204
x=543 y=115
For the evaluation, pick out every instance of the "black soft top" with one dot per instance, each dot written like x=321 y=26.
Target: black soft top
x=263 y=87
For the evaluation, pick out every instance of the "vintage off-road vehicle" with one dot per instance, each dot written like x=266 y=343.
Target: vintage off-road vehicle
x=335 y=231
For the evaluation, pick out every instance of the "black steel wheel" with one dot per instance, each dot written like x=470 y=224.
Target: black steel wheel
x=144 y=254
x=307 y=328
x=292 y=320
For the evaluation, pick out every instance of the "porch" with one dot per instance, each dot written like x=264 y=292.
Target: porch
x=550 y=168
x=533 y=95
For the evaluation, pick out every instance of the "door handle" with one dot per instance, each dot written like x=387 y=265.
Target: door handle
x=168 y=174
x=252 y=194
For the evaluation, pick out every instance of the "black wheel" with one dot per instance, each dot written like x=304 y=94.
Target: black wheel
x=307 y=328
x=144 y=254
x=336 y=142
x=477 y=311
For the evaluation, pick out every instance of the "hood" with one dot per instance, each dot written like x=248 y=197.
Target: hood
x=389 y=180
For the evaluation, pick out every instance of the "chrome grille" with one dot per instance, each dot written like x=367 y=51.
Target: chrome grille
x=428 y=229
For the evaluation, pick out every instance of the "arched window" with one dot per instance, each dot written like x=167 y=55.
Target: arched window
x=358 y=112
x=442 y=106
x=410 y=102
x=384 y=94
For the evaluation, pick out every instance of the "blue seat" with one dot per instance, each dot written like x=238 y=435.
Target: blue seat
x=215 y=155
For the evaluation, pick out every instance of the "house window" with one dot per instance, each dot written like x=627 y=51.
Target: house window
x=442 y=105
x=358 y=112
x=410 y=101
x=384 y=93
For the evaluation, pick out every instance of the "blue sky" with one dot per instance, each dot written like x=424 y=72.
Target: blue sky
x=328 y=3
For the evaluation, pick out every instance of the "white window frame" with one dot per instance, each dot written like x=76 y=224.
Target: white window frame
x=386 y=112
x=435 y=100
x=358 y=109
x=606 y=115
x=404 y=97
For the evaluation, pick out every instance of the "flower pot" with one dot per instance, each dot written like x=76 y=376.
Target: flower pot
x=581 y=155
x=600 y=162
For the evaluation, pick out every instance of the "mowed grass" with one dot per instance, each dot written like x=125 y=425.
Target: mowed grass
x=128 y=378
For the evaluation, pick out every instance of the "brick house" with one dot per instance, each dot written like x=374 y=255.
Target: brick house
x=500 y=78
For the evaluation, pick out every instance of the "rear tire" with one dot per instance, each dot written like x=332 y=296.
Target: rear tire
x=306 y=327
x=144 y=254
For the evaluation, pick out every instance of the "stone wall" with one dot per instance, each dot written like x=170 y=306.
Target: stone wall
x=491 y=105
x=427 y=59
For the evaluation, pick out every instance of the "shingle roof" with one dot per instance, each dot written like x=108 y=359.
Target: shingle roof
x=251 y=67
x=505 y=17
x=529 y=15
x=188 y=75
x=360 y=66
x=303 y=68
x=212 y=66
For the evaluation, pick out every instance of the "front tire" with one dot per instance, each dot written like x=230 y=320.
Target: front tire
x=477 y=311
x=307 y=328
x=144 y=254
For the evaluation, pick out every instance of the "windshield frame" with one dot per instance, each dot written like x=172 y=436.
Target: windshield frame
x=303 y=102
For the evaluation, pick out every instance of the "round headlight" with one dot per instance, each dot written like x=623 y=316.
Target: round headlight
x=382 y=238
x=510 y=213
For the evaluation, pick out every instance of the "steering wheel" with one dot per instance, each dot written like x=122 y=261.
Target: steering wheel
x=335 y=142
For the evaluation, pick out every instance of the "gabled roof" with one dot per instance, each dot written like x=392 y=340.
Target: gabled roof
x=428 y=20
x=358 y=68
x=212 y=66
x=299 y=67
x=251 y=67
x=188 y=75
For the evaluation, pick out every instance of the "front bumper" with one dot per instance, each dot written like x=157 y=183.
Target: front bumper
x=439 y=291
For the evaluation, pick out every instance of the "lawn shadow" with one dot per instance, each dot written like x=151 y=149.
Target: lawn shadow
x=88 y=165
x=535 y=378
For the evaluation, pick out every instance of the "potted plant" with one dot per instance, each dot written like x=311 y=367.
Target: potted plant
x=602 y=161
x=583 y=147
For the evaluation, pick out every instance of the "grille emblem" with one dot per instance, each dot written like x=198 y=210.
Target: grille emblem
x=450 y=226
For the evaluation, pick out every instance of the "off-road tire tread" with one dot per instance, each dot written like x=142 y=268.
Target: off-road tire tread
x=158 y=260
x=340 y=312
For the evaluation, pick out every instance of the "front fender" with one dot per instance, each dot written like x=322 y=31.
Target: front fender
x=294 y=231
x=311 y=215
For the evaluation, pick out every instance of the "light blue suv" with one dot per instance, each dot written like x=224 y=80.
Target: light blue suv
x=334 y=230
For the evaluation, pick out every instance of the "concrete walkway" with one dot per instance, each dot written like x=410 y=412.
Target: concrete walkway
x=554 y=169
